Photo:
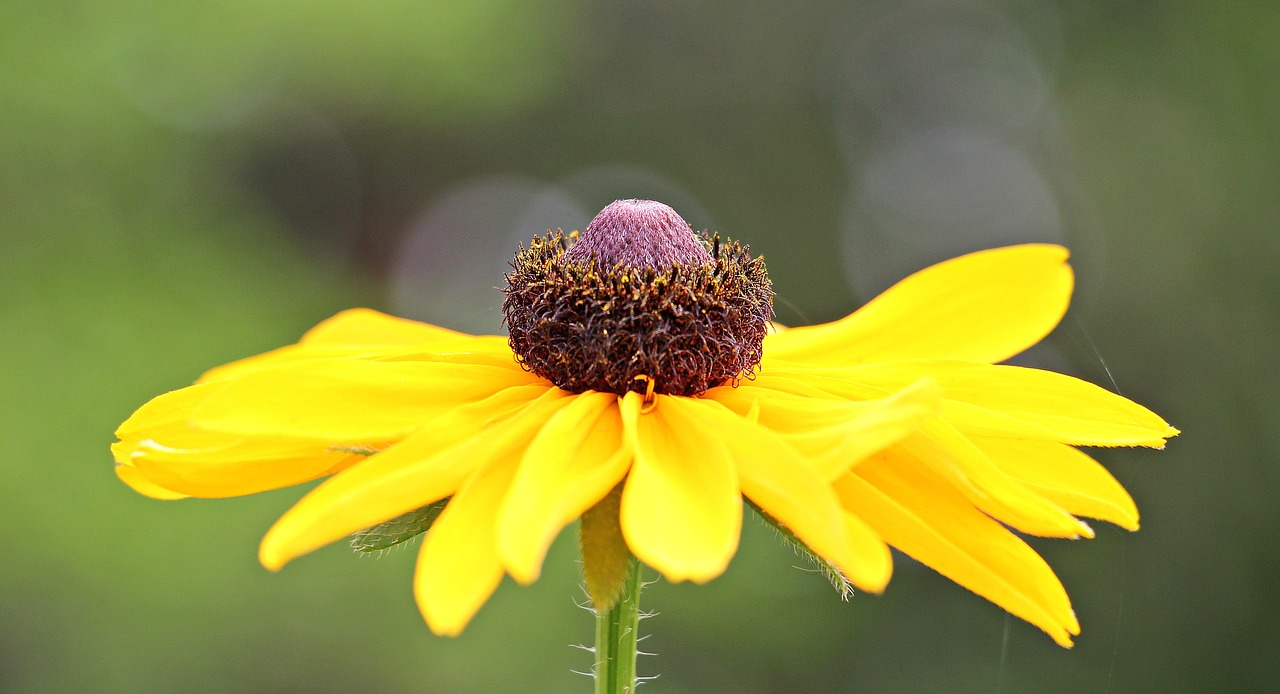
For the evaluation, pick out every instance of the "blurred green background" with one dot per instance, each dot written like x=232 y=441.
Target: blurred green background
x=185 y=183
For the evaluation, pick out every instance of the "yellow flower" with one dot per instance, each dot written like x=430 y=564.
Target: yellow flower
x=889 y=427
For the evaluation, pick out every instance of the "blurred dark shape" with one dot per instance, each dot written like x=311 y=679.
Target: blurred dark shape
x=301 y=169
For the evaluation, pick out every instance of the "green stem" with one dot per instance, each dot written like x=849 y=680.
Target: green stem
x=616 y=629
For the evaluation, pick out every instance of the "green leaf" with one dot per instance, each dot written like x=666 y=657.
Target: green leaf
x=388 y=534
x=830 y=571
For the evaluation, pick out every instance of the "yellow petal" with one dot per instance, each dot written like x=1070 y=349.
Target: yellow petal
x=345 y=400
x=237 y=468
x=174 y=407
x=458 y=566
x=159 y=442
x=681 y=507
x=1064 y=476
x=822 y=383
x=349 y=333
x=362 y=332
x=920 y=514
x=1074 y=411
x=573 y=462
x=421 y=469
x=122 y=452
x=979 y=421
x=985 y=306
x=132 y=477
x=874 y=561
x=834 y=434
x=363 y=326
x=944 y=450
x=939 y=445
x=787 y=487
x=492 y=351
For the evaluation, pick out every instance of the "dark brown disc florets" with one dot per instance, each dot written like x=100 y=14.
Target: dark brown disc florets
x=638 y=298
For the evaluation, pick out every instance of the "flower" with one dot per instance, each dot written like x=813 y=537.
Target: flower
x=643 y=390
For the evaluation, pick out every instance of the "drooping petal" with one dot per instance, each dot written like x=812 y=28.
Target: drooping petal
x=875 y=562
x=161 y=443
x=779 y=480
x=236 y=470
x=938 y=444
x=423 y=468
x=1065 y=476
x=681 y=507
x=573 y=462
x=174 y=407
x=985 y=306
x=834 y=434
x=919 y=513
x=345 y=400
x=952 y=456
x=1073 y=409
x=132 y=477
x=459 y=566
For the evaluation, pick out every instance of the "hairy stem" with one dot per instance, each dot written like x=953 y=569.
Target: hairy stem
x=616 y=628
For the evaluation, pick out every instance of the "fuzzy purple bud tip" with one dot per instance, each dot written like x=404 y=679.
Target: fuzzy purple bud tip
x=639 y=234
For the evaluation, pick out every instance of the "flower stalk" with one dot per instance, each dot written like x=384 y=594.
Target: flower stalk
x=616 y=638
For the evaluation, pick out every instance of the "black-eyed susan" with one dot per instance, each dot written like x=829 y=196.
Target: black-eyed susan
x=642 y=390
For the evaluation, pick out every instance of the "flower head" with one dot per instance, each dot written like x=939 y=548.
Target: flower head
x=641 y=391
x=638 y=302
